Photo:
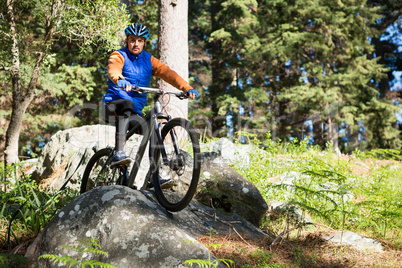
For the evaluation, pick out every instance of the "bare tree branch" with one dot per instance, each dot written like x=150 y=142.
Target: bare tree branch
x=201 y=58
x=49 y=28
x=221 y=221
x=5 y=34
x=389 y=20
x=3 y=68
x=77 y=34
x=286 y=231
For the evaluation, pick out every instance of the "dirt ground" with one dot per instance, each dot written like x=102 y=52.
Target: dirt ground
x=309 y=250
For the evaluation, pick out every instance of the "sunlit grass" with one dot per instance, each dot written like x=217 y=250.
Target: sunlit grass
x=355 y=192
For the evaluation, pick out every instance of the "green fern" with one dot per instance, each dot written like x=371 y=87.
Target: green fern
x=209 y=263
x=215 y=245
x=89 y=245
x=357 y=193
x=60 y=259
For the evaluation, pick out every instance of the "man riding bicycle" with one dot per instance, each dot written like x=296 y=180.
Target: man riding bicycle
x=132 y=66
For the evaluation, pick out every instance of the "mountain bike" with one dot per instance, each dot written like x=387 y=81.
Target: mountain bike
x=174 y=154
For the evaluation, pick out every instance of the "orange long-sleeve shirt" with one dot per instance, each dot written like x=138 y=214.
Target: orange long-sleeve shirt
x=159 y=69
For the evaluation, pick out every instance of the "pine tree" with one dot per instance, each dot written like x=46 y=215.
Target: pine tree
x=297 y=60
x=317 y=67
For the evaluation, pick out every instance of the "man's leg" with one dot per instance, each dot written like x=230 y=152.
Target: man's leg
x=122 y=111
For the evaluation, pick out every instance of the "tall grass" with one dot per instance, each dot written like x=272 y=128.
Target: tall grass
x=361 y=192
x=25 y=208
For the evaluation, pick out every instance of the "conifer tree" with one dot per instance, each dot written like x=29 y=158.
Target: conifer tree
x=298 y=60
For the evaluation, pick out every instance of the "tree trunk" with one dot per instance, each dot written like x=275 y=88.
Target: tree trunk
x=22 y=97
x=333 y=127
x=382 y=50
x=218 y=68
x=13 y=131
x=173 y=49
x=333 y=132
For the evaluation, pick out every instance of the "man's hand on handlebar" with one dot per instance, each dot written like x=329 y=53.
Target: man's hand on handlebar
x=193 y=94
x=124 y=84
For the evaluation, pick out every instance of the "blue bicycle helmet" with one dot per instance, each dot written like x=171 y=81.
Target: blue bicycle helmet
x=137 y=30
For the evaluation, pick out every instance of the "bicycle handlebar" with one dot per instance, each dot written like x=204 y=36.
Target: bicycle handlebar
x=181 y=95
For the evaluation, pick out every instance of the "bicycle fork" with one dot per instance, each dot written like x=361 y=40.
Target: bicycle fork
x=177 y=162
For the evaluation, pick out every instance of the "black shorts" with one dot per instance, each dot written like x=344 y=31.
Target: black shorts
x=112 y=109
x=120 y=112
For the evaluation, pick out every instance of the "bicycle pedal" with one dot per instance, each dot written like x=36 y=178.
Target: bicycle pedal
x=121 y=163
x=167 y=185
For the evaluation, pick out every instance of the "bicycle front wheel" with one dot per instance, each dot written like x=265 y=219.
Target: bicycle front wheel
x=176 y=165
x=98 y=172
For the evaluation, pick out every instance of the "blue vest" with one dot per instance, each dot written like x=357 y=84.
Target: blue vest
x=138 y=71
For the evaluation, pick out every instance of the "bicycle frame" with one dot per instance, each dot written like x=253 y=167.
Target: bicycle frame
x=153 y=135
x=174 y=156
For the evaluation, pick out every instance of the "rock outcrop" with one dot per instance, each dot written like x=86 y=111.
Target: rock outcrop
x=67 y=153
x=129 y=224
x=133 y=229
x=222 y=187
x=348 y=238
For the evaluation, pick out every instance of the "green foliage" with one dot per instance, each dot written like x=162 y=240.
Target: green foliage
x=261 y=256
x=275 y=265
x=74 y=83
x=385 y=154
x=42 y=126
x=75 y=21
x=302 y=259
x=208 y=263
x=89 y=245
x=288 y=61
x=102 y=27
x=329 y=188
x=13 y=261
x=26 y=208
x=73 y=39
x=382 y=201
x=311 y=42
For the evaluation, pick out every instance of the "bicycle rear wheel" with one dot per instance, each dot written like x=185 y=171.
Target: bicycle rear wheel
x=177 y=160
x=98 y=172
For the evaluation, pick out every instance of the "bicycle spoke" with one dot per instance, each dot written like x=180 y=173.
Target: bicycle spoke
x=98 y=172
x=175 y=163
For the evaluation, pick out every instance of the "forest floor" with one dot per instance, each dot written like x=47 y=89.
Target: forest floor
x=303 y=248
x=307 y=250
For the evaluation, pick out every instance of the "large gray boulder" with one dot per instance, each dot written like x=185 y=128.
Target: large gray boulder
x=67 y=153
x=68 y=144
x=134 y=229
x=222 y=187
x=237 y=154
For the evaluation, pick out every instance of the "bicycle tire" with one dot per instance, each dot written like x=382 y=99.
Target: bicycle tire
x=99 y=162
x=185 y=171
